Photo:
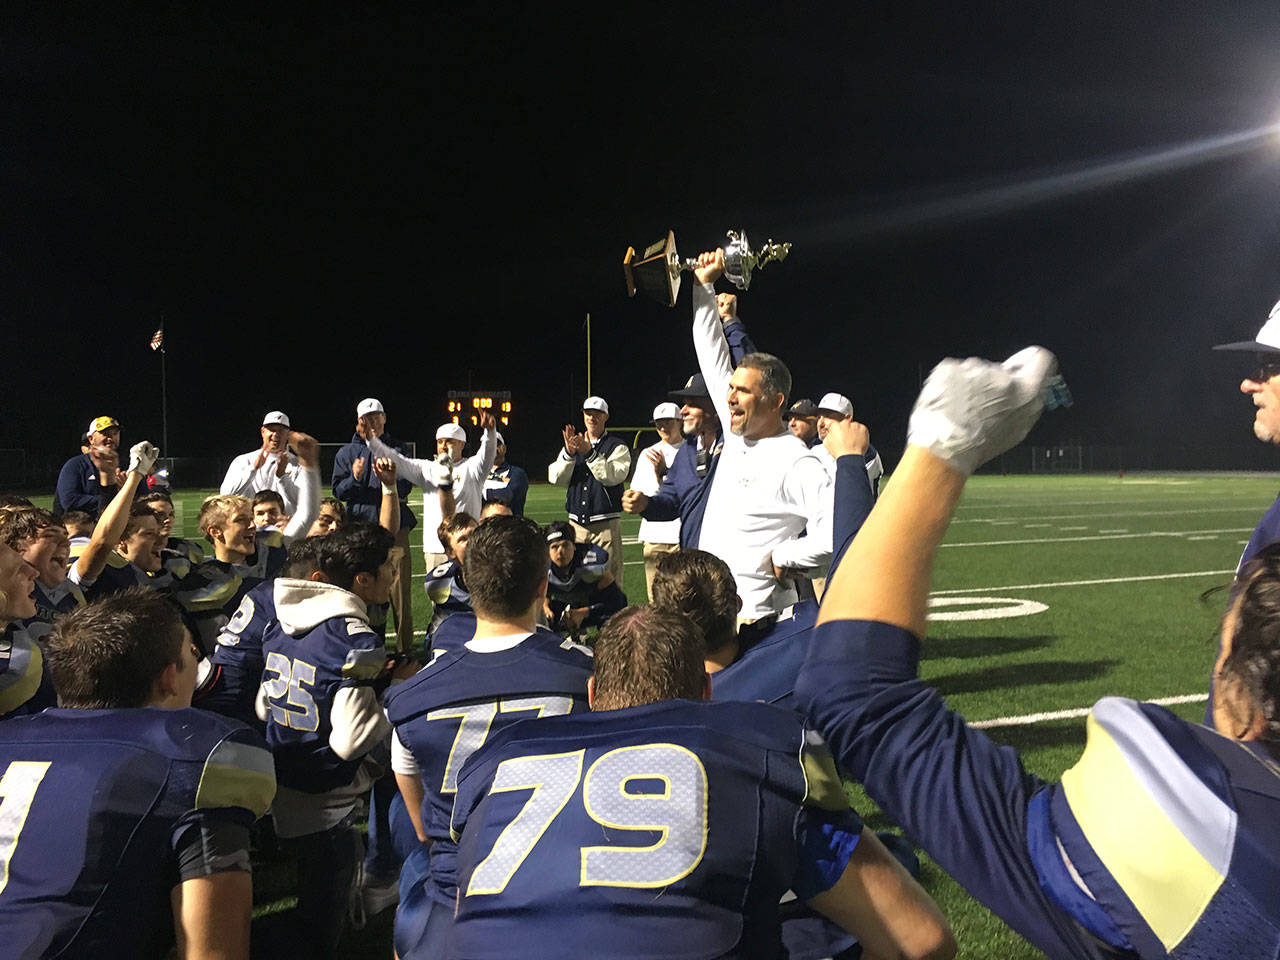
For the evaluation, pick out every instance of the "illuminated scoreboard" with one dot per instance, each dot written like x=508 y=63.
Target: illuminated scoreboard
x=465 y=406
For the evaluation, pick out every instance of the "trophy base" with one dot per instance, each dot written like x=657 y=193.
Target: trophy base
x=656 y=272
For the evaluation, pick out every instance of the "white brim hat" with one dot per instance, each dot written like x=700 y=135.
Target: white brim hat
x=1267 y=340
x=451 y=431
x=596 y=403
x=666 y=411
x=835 y=404
x=277 y=418
x=369 y=405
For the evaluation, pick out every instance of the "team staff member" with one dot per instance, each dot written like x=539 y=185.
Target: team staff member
x=769 y=489
x=1162 y=841
x=667 y=826
x=356 y=484
x=270 y=467
x=130 y=830
x=506 y=482
x=90 y=479
x=594 y=465
x=659 y=537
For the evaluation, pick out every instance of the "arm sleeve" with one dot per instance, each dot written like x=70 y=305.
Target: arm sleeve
x=477 y=468
x=852 y=504
x=665 y=504
x=402 y=761
x=807 y=488
x=714 y=359
x=239 y=478
x=414 y=471
x=613 y=469
x=952 y=790
x=358 y=722
x=308 y=505
x=645 y=479
x=740 y=342
x=206 y=842
x=560 y=469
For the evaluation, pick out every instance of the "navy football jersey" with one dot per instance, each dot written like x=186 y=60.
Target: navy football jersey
x=454 y=632
x=448 y=592
x=574 y=585
x=120 y=574
x=212 y=591
x=105 y=812
x=666 y=830
x=303 y=674
x=52 y=602
x=25 y=684
x=238 y=659
x=767 y=669
x=447 y=710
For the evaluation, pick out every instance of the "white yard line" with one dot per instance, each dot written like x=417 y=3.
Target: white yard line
x=1084 y=583
x=1028 y=718
x=1113 y=536
x=1122 y=513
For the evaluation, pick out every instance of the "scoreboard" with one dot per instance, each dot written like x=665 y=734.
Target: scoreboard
x=465 y=406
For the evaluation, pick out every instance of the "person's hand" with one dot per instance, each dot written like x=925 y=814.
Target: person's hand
x=442 y=471
x=261 y=458
x=783 y=574
x=143 y=457
x=574 y=442
x=362 y=428
x=121 y=476
x=306 y=446
x=486 y=421
x=972 y=410
x=845 y=437
x=633 y=501
x=710 y=266
x=384 y=468
x=105 y=459
x=404 y=668
x=357 y=468
x=659 y=462
x=282 y=463
x=573 y=617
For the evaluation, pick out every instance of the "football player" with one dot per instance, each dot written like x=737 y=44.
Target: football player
x=581 y=592
x=663 y=825
x=42 y=540
x=25 y=684
x=445 y=584
x=507 y=671
x=127 y=813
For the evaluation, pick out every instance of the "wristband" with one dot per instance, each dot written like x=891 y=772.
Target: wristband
x=388 y=489
x=445 y=486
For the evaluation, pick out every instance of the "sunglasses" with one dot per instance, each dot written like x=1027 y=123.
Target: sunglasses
x=1265 y=370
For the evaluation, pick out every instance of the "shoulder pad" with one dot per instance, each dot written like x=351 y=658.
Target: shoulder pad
x=238 y=773
x=364 y=664
x=21 y=669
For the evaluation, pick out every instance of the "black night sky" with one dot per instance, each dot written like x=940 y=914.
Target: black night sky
x=351 y=203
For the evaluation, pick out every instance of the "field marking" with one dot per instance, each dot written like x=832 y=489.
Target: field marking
x=1005 y=607
x=1113 y=536
x=1065 y=529
x=1029 y=718
x=1212 y=537
x=1084 y=583
x=1122 y=513
x=1116 y=530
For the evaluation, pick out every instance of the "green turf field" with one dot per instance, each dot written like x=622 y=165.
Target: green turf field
x=1104 y=575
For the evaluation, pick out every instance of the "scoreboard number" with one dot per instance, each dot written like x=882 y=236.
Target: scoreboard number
x=465 y=406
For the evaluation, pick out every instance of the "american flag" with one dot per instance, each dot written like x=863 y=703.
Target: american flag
x=157 y=339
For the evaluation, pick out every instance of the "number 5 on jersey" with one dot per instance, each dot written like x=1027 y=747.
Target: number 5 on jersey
x=287 y=685
x=678 y=813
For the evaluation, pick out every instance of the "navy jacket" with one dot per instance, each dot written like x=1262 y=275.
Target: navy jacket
x=79 y=489
x=363 y=497
x=587 y=499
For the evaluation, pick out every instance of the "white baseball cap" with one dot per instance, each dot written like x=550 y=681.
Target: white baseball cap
x=666 y=411
x=276 y=418
x=835 y=404
x=1267 y=340
x=451 y=431
x=369 y=405
x=595 y=403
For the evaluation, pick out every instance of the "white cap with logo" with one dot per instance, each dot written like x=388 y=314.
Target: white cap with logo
x=276 y=418
x=835 y=404
x=369 y=405
x=666 y=411
x=596 y=403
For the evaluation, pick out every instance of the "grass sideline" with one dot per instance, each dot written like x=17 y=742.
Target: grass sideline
x=1119 y=565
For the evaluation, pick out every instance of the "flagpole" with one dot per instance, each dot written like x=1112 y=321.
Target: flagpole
x=164 y=396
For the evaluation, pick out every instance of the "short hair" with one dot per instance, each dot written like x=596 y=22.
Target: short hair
x=776 y=376
x=647 y=654
x=138 y=513
x=337 y=505
x=304 y=557
x=354 y=549
x=505 y=564
x=156 y=496
x=268 y=496
x=1253 y=665
x=215 y=511
x=495 y=508
x=19 y=527
x=78 y=519
x=14 y=500
x=456 y=524
x=560 y=530
x=700 y=586
x=108 y=653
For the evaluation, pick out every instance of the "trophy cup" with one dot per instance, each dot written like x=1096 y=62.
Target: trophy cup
x=657 y=271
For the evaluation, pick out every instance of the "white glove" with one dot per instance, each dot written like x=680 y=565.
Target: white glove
x=972 y=410
x=442 y=471
x=143 y=457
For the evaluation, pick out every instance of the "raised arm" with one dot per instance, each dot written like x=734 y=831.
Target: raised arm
x=389 y=514
x=476 y=469
x=110 y=527
x=854 y=493
x=417 y=472
x=714 y=358
x=308 y=509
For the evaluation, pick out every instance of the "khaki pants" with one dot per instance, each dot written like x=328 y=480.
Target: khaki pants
x=402 y=593
x=653 y=554
x=606 y=534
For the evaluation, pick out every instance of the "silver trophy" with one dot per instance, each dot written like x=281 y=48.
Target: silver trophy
x=657 y=271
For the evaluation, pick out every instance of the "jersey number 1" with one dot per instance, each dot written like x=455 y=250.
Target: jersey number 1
x=17 y=791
